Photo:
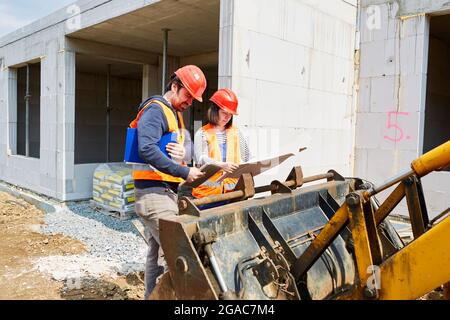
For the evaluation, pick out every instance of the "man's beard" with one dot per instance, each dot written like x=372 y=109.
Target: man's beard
x=182 y=107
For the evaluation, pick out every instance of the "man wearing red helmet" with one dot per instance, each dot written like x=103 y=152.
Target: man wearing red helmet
x=156 y=182
x=220 y=143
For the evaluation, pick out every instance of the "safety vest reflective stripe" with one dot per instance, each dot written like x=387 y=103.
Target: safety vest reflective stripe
x=229 y=186
x=233 y=150
x=146 y=171
x=143 y=173
x=212 y=184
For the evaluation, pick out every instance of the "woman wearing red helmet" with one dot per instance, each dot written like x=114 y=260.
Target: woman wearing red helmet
x=220 y=143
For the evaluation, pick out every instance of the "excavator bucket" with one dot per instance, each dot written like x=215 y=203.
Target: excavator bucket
x=247 y=249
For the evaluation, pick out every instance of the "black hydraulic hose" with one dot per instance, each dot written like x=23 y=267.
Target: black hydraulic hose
x=239 y=273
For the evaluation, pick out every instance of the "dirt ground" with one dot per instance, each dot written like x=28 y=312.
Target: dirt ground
x=21 y=244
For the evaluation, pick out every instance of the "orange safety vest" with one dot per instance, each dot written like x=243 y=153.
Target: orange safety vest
x=211 y=186
x=146 y=171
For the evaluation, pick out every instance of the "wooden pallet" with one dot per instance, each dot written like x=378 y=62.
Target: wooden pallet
x=113 y=212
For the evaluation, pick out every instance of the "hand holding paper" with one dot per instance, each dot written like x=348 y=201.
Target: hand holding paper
x=229 y=167
x=257 y=167
x=209 y=170
x=194 y=174
x=254 y=168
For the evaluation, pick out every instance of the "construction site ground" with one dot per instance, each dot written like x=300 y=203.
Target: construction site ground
x=21 y=245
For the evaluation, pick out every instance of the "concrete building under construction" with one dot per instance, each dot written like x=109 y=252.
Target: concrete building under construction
x=362 y=85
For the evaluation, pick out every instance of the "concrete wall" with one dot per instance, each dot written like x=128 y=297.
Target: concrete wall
x=392 y=97
x=52 y=174
x=291 y=64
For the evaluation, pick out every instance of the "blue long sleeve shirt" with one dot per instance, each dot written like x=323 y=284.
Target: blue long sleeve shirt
x=150 y=128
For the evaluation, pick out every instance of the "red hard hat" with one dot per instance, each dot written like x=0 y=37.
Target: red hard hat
x=226 y=100
x=193 y=80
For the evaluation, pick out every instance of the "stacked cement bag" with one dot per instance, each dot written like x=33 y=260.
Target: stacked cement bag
x=113 y=187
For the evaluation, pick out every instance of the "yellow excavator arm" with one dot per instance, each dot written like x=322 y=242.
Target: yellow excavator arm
x=420 y=267
x=424 y=264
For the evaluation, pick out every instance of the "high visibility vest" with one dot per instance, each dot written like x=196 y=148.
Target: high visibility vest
x=233 y=150
x=146 y=171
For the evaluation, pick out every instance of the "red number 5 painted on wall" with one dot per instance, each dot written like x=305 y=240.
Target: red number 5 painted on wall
x=395 y=126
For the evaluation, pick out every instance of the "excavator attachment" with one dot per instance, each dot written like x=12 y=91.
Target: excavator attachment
x=326 y=241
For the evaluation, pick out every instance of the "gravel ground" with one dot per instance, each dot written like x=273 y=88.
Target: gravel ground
x=113 y=246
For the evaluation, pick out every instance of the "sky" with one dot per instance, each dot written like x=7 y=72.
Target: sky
x=15 y=14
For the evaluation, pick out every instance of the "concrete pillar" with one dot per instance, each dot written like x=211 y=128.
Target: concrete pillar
x=3 y=99
x=422 y=66
x=226 y=43
x=3 y=117
x=65 y=152
x=49 y=119
x=57 y=120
